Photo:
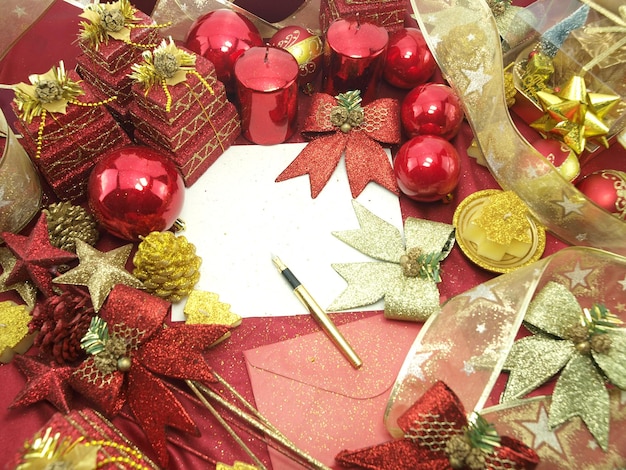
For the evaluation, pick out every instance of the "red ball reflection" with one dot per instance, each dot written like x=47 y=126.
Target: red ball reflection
x=135 y=190
x=432 y=109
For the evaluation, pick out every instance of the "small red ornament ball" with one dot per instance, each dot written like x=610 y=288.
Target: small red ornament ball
x=431 y=109
x=409 y=60
x=222 y=36
x=306 y=47
x=607 y=188
x=427 y=168
x=135 y=190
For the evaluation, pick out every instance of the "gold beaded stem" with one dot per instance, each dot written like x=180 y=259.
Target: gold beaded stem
x=42 y=125
x=225 y=425
x=93 y=105
x=166 y=90
x=268 y=430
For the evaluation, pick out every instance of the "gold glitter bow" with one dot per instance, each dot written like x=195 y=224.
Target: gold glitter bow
x=406 y=276
x=586 y=345
x=167 y=65
x=106 y=20
x=574 y=115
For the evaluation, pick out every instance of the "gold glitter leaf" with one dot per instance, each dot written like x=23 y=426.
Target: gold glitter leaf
x=205 y=308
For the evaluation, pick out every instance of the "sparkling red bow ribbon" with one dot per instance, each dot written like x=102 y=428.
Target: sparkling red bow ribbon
x=430 y=428
x=366 y=160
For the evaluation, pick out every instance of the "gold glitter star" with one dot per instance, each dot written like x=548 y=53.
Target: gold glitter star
x=26 y=289
x=100 y=271
x=204 y=308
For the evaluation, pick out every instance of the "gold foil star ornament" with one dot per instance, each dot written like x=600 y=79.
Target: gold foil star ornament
x=205 y=308
x=100 y=271
x=575 y=115
x=586 y=347
x=405 y=274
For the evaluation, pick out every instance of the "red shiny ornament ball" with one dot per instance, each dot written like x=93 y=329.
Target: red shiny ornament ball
x=222 y=36
x=561 y=156
x=306 y=47
x=431 y=109
x=409 y=60
x=607 y=188
x=427 y=168
x=135 y=190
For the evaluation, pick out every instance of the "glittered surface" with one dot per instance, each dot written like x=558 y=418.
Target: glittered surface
x=14 y=320
x=205 y=307
x=312 y=394
x=26 y=289
x=100 y=271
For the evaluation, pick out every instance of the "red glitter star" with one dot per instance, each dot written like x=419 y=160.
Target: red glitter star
x=44 y=382
x=175 y=351
x=35 y=256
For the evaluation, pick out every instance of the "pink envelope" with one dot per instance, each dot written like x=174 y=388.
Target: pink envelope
x=310 y=392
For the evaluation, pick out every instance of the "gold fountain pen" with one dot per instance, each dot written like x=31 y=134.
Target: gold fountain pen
x=319 y=314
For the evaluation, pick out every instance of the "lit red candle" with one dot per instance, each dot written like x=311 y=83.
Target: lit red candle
x=267 y=90
x=354 y=57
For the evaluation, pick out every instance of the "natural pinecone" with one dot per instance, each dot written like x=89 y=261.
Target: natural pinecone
x=167 y=265
x=62 y=320
x=67 y=222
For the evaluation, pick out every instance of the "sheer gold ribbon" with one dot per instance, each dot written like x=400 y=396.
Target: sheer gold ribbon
x=463 y=37
x=20 y=188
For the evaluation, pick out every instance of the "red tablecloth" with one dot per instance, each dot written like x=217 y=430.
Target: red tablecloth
x=53 y=38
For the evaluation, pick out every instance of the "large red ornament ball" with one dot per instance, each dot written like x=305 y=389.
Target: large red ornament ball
x=607 y=188
x=135 y=190
x=427 y=168
x=222 y=36
x=409 y=60
x=306 y=47
x=431 y=109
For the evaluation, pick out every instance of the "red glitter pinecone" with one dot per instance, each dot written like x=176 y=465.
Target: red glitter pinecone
x=62 y=320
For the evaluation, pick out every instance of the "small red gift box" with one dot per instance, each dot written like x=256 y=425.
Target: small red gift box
x=194 y=158
x=186 y=126
x=387 y=13
x=186 y=97
x=82 y=431
x=104 y=84
x=116 y=55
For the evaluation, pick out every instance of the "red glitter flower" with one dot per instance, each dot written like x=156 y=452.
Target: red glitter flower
x=357 y=133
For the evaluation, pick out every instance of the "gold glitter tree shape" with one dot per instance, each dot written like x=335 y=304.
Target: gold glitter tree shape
x=14 y=336
x=204 y=307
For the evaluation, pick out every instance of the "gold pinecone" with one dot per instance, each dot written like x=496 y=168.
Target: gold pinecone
x=167 y=265
x=66 y=222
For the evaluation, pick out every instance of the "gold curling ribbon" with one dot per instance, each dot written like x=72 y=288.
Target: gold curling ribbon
x=465 y=42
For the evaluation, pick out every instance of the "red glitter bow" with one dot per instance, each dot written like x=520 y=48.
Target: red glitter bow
x=430 y=426
x=135 y=319
x=365 y=158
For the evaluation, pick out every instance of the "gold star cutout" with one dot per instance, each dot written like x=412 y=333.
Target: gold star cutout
x=26 y=289
x=204 y=308
x=100 y=271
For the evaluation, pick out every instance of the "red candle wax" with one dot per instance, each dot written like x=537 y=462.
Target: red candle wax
x=354 y=57
x=267 y=90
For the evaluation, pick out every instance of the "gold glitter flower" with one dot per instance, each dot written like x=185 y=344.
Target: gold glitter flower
x=585 y=345
x=405 y=275
x=51 y=92
x=106 y=20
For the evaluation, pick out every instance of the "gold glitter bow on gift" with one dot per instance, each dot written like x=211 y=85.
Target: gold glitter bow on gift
x=586 y=345
x=167 y=66
x=405 y=276
x=574 y=115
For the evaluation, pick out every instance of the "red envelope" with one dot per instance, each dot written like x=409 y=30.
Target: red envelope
x=310 y=392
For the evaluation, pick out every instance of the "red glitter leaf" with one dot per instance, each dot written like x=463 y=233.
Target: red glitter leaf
x=155 y=407
x=392 y=456
x=177 y=351
x=104 y=390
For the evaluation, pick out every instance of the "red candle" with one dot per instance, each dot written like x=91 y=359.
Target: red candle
x=354 y=57
x=267 y=90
